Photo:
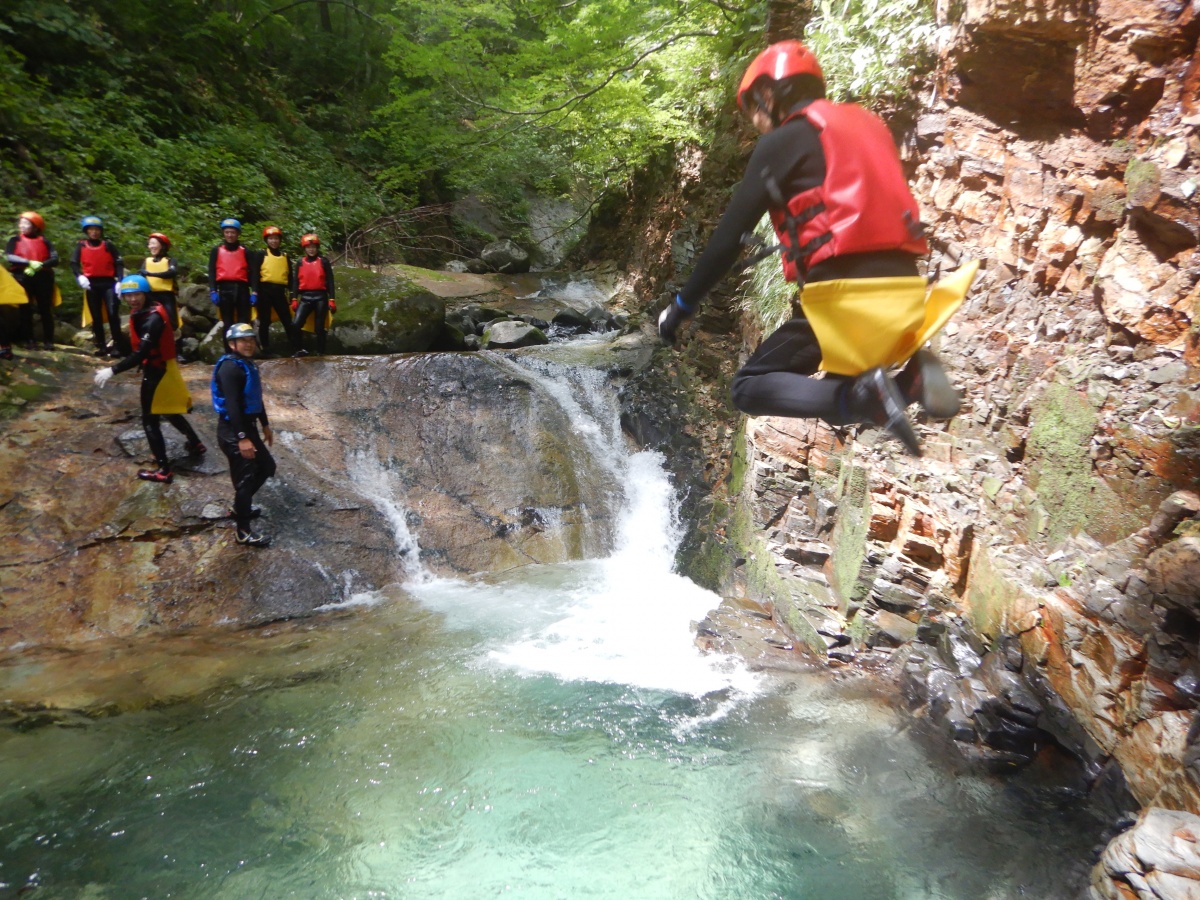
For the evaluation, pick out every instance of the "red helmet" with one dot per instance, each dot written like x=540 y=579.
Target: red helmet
x=782 y=60
x=38 y=222
x=161 y=238
x=310 y=239
x=270 y=230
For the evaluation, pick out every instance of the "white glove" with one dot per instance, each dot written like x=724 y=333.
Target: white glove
x=84 y=282
x=102 y=376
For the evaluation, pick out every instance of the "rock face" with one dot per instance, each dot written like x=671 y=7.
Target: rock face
x=476 y=453
x=1033 y=578
x=505 y=256
x=1157 y=859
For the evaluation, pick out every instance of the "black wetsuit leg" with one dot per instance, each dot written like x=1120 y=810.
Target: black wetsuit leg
x=39 y=288
x=151 y=376
x=247 y=475
x=315 y=303
x=775 y=379
x=274 y=297
x=97 y=304
x=112 y=302
x=234 y=302
x=152 y=422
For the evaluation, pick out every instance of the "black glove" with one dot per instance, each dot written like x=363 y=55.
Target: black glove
x=671 y=318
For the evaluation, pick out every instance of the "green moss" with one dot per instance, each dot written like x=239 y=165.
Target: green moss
x=738 y=463
x=1059 y=463
x=849 y=538
x=1142 y=182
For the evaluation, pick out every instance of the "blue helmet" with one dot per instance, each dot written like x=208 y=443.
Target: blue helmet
x=91 y=222
x=133 y=284
x=231 y=223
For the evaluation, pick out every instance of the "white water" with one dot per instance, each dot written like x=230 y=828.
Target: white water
x=627 y=619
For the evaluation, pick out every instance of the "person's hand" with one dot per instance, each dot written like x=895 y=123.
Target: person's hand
x=101 y=378
x=34 y=267
x=332 y=305
x=671 y=318
x=246 y=448
x=295 y=305
x=253 y=299
x=84 y=282
x=215 y=297
x=268 y=436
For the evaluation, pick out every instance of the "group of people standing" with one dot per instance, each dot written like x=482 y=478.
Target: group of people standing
x=300 y=293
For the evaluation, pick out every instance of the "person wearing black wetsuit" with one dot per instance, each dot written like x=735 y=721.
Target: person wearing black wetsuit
x=237 y=397
x=787 y=167
x=162 y=387
x=274 y=282
x=31 y=259
x=161 y=272
x=232 y=276
x=98 y=267
x=312 y=286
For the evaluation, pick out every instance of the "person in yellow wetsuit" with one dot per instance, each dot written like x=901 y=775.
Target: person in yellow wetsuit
x=163 y=390
x=161 y=273
x=850 y=236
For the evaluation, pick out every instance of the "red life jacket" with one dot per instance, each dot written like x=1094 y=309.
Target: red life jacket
x=863 y=205
x=95 y=261
x=32 y=248
x=232 y=265
x=310 y=274
x=166 y=343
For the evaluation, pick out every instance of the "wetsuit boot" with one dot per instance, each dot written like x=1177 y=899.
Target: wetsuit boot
x=924 y=381
x=873 y=398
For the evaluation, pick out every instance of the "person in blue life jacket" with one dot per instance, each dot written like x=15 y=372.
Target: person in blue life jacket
x=850 y=237
x=232 y=275
x=238 y=399
x=163 y=393
x=98 y=267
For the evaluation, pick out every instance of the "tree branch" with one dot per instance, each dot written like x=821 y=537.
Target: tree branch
x=539 y=113
x=345 y=3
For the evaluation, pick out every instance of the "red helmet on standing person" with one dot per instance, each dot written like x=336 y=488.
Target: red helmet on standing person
x=785 y=59
x=270 y=230
x=310 y=239
x=34 y=219
x=161 y=238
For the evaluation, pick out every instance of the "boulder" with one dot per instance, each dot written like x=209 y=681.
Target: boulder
x=511 y=335
x=384 y=314
x=1158 y=858
x=505 y=256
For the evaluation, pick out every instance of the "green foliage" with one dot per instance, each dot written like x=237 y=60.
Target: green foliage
x=870 y=49
x=769 y=297
x=168 y=115
x=505 y=97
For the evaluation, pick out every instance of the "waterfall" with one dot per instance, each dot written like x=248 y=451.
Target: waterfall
x=626 y=618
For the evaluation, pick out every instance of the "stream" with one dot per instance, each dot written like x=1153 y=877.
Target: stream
x=550 y=731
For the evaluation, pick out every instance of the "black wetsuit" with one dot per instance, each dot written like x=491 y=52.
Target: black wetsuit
x=234 y=300
x=774 y=381
x=150 y=327
x=314 y=303
x=247 y=475
x=274 y=296
x=101 y=296
x=39 y=288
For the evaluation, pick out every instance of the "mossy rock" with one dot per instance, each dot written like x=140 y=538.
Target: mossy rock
x=384 y=314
